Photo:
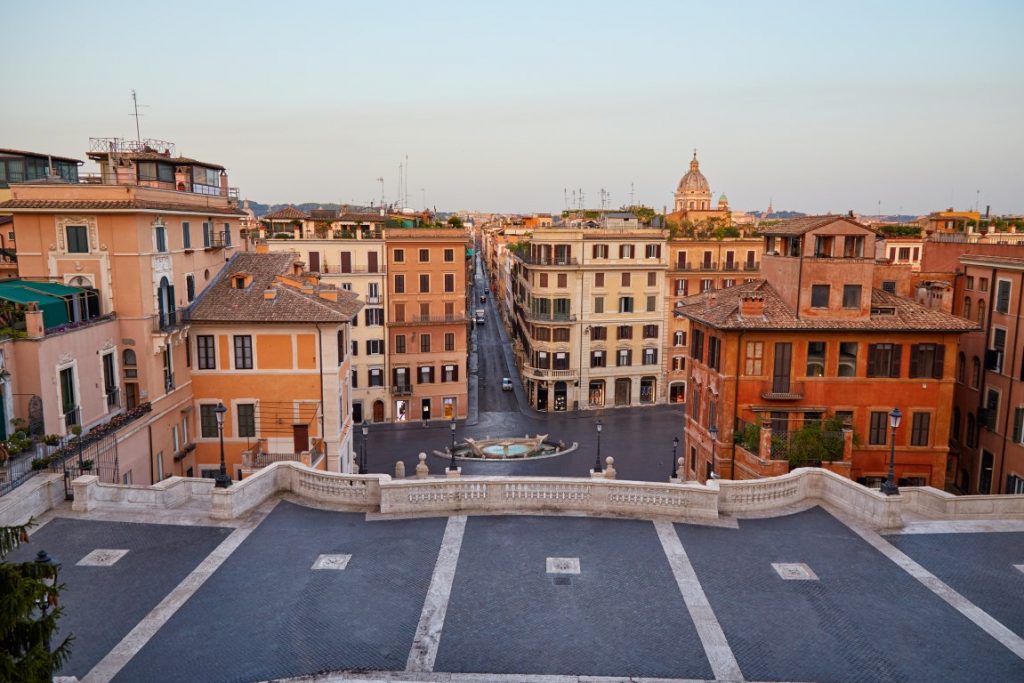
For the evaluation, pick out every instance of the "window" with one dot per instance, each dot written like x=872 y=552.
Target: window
x=399 y=283
x=847 y=359
x=889 y=286
x=374 y=316
x=186 y=235
x=678 y=363
x=78 y=239
x=697 y=346
x=652 y=303
x=904 y=254
x=424 y=283
x=816 y=359
x=160 y=237
x=206 y=352
x=967 y=308
x=714 y=353
x=679 y=338
x=208 y=421
x=426 y=374
x=625 y=251
x=650 y=331
x=971 y=443
x=652 y=251
x=563 y=280
x=243 y=352
x=542 y=279
x=682 y=287
x=954 y=425
x=449 y=373
x=624 y=332
x=650 y=357
x=561 y=361
x=449 y=282
x=541 y=333
x=598 y=304
x=919 y=429
x=884 y=360
x=449 y=255
x=625 y=304
x=355 y=348
x=561 y=334
x=961 y=367
x=246 y=419
x=1018 y=425
x=207 y=234
x=425 y=310
x=598 y=333
x=424 y=256
x=399 y=343
x=851 y=296
x=599 y=279
x=879 y=425
x=988 y=418
x=355 y=378
x=424 y=343
x=975 y=372
x=1003 y=296
x=625 y=279
x=707 y=285
x=376 y=377
x=130 y=364
x=597 y=359
x=600 y=251
x=398 y=256
x=819 y=296
x=970 y=282
x=754 y=362
x=981 y=312
x=374 y=347
x=983 y=284
x=624 y=358
x=926 y=360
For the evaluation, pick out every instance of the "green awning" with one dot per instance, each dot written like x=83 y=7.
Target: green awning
x=53 y=299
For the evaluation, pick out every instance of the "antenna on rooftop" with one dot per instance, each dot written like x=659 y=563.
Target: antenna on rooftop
x=605 y=195
x=565 y=196
x=381 y=181
x=631 y=189
x=405 y=183
x=582 y=203
x=136 y=105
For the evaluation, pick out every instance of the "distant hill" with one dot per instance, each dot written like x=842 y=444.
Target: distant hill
x=261 y=209
x=778 y=215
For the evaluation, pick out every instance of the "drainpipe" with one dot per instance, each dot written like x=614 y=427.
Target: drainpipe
x=800 y=278
x=1013 y=378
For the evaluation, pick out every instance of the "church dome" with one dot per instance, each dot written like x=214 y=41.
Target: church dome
x=723 y=199
x=694 y=181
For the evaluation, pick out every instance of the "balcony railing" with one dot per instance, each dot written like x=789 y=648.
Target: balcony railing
x=401 y=389
x=794 y=392
x=730 y=265
x=72 y=417
x=549 y=260
x=682 y=267
x=549 y=317
x=337 y=269
x=170 y=320
x=751 y=265
x=373 y=299
x=168 y=381
x=709 y=265
x=545 y=373
x=418 y=319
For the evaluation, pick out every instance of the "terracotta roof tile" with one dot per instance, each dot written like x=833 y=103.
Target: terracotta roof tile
x=288 y=213
x=23 y=153
x=804 y=224
x=125 y=205
x=221 y=302
x=721 y=309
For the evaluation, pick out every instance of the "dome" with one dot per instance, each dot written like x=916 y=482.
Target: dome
x=723 y=199
x=694 y=180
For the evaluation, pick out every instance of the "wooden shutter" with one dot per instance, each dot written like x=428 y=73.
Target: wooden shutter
x=346 y=261
x=780 y=375
x=371 y=262
x=872 y=360
x=897 y=350
x=314 y=261
x=915 y=365
x=940 y=361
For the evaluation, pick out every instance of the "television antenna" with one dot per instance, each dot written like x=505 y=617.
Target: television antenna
x=135 y=106
x=381 y=181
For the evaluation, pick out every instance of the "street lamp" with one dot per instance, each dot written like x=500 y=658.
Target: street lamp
x=44 y=560
x=597 y=462
x=222 y=479
x=713 y=431
x=452 y=466
x=672 y=465
x=889 y=487
x=364 y=468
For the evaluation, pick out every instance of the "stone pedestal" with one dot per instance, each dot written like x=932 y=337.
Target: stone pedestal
x=609 y=468
x=453 y=474
x=421 y=468
x=399 y=470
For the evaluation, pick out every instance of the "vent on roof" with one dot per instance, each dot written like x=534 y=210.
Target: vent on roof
x=883 y=310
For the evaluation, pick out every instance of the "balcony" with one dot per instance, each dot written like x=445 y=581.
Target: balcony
x=549 y=317
x=113 y=398
x=681 y=267
x=730 y=266
x=72 y=417
x=549 y=260
x=217 y=240
x=168 y=321
x=336 y=269
x=545 y=373
x=259 y=457
x=752 y=265
x=794 y=392
x=401 y=389
x=168 y=381
x=373 y=299
x=421 y=319
x=709 y=265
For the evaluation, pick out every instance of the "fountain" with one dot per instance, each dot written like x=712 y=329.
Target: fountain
x=508 y=448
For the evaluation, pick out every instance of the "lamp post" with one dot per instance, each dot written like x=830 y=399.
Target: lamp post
x=452 y=466
x=364 y=467
x=222 y=480
x=44 y=560
x=889 y=487
x=597 y=462
x=672 y=465
x=713 y=431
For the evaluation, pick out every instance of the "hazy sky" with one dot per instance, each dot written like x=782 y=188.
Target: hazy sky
x=501 y=106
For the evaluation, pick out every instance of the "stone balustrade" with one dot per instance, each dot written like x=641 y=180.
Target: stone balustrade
x=432 y=495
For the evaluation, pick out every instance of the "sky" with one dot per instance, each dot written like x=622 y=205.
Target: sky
x=506 y=106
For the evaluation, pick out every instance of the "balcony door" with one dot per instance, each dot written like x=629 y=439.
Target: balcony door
x=300 y=438
x=781 y=371
x=314 y=261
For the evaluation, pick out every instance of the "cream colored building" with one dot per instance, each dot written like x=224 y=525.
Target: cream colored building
x=355 y=263
x=588 y=317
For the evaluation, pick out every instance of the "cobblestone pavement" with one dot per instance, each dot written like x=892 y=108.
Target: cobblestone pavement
x=311 y=591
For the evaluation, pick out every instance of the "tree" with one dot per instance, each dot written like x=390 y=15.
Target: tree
x=455 y=222
x=25 y=629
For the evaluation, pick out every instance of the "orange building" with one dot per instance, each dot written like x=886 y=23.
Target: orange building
x=813 y=346
x=147 y=236
x=271 y=343
x=427 y=321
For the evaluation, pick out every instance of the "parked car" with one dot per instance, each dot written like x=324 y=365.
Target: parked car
x=483 y=298
x=506 y=384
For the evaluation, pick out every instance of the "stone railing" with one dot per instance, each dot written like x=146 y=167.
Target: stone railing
x=542 y=494
x=31 y=499
x=931 y=502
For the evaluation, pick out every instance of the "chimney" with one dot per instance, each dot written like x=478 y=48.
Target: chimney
x=270 y=294
x=298 y=267
x=752 y=305
x=262 y=248
x=329 y=294
x=34 y=326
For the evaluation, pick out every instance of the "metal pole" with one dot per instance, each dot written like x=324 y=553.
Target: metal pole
x=597 y=463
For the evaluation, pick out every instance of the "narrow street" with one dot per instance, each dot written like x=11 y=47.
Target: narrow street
x=640 y=439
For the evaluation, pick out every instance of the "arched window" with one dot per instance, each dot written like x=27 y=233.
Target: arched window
x=975 y=373
x=165 y=303
x=129 y=364
x=981 y=312
x=956 y=424
x=967 y=307
x=961 y=367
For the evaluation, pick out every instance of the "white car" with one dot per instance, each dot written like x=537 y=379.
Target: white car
x=506 y=384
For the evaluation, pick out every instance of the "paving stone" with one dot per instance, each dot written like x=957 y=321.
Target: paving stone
x=865 y=620
x=102 y=603
x=102 y=557
x=563 y=565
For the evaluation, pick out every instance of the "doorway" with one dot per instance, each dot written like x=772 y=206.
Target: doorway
x=542 y=396
x=300 y=438
x=425 y=409
x=560 y=396
x=623 y=389
x=378 y=411
x=357 y=412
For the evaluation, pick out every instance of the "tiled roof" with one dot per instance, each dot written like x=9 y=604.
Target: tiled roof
x=18 y=152
x=1013 y=262
x=156 y=156
x=351 y=217
x=288 y=213
x=220 y=302
x=120 y=205
x=721 y=309
x=804 y=224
